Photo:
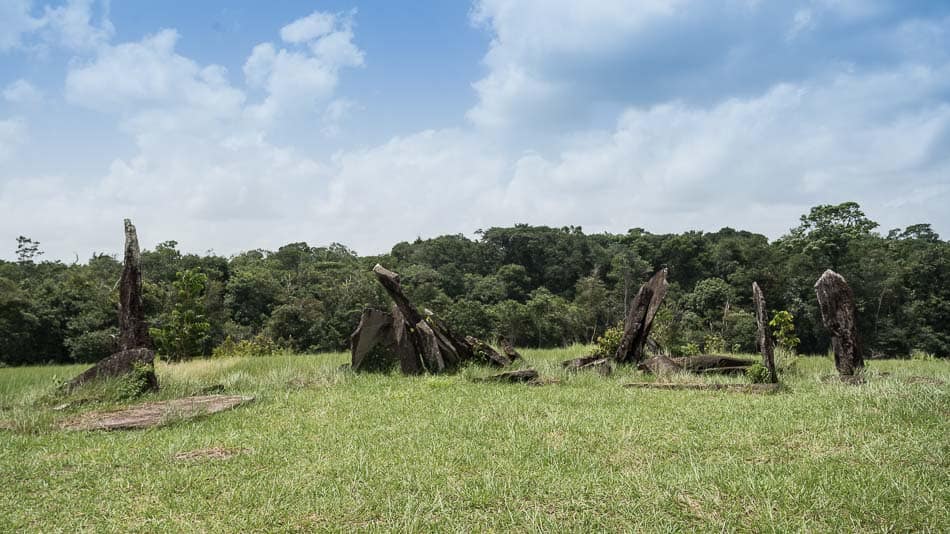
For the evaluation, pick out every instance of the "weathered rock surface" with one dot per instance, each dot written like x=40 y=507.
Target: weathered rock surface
x=660 y=365
x=509 y=350
x=133 y=330
x=485 y=353
x=764 y=335
x=836 y=301
x=522 y=375
x=735 y=388
x=714 y=364
x=134 y=341
x=419 y=341
x=590 y=363
x=639 y=320
x=151 y=414
x=380 y=344
x=120 y=364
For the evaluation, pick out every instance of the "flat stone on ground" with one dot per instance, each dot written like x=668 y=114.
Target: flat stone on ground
x=151 y=414
x=212 y=453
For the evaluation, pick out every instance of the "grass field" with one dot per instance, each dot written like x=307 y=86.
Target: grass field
x=325 y=449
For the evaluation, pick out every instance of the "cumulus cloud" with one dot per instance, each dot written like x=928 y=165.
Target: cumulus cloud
x=305 y=29
x=76 y=25
x=305 y=75
x=22 y=92
x=15 y=22
x=755 y=152
x=555 y=63
x=12 y=132
x=73 y=25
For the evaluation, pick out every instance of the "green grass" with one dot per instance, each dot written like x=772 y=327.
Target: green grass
x=325 y=449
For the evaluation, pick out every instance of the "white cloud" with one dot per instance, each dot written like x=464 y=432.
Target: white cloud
x=206 y=170
x=22 y=92
x=555 y=64
x=12 y=133
x=72 y=26
x=302 y=78
x=308 y=28
x=15 y=21
x=335 y=113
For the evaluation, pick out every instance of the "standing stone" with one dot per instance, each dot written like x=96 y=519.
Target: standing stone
x=836 y=301
x=639 y=320
x=135 y=354
x=133 y=331
x=764 y=338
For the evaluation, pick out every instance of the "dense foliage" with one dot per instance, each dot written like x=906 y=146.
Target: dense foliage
x=536 y=285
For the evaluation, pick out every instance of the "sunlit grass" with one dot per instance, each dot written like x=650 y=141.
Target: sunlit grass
x=323 y=448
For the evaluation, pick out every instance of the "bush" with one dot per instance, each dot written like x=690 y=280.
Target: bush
x=608 y=342
x=689 y=349
x=921 y=355
x=757 y=374
x=714 y=344
x=259 y=345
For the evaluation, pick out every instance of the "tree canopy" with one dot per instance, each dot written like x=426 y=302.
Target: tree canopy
x=535 y=285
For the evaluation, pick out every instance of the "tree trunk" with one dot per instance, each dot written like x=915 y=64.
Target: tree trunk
x=836 y=301
x=764 y=338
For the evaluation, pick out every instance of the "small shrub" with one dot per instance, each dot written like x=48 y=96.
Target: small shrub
x=259 y=345
x=757 y=374
x=608 y=342
x=135 y=383
x=689 y=349
x=922 y=355
x=783 y=329
x=714 y=344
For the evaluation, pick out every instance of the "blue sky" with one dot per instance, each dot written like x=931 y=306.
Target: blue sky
x=238 y=125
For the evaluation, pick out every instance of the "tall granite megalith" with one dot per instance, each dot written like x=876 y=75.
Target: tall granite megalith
x=764 y=336
x=836 y=301
x=135 y=354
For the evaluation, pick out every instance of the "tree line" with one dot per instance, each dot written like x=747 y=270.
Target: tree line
x=535 y=285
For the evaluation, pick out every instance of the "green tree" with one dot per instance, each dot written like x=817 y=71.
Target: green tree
x=828 y=231
x=184 y=330
x=27 y=249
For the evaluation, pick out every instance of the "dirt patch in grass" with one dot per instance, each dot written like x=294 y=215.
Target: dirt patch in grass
x=212 y=453
x=151 y=414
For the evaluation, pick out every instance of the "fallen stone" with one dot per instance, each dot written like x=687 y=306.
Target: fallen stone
x=523 y=375
x=212 y=453
x=734 y=388
x=660 y=366
x=590 y=363
x=151 y=414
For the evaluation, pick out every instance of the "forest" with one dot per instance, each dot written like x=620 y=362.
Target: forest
x=534 y=285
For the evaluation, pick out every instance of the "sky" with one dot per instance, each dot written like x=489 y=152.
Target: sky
x=234 y=125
